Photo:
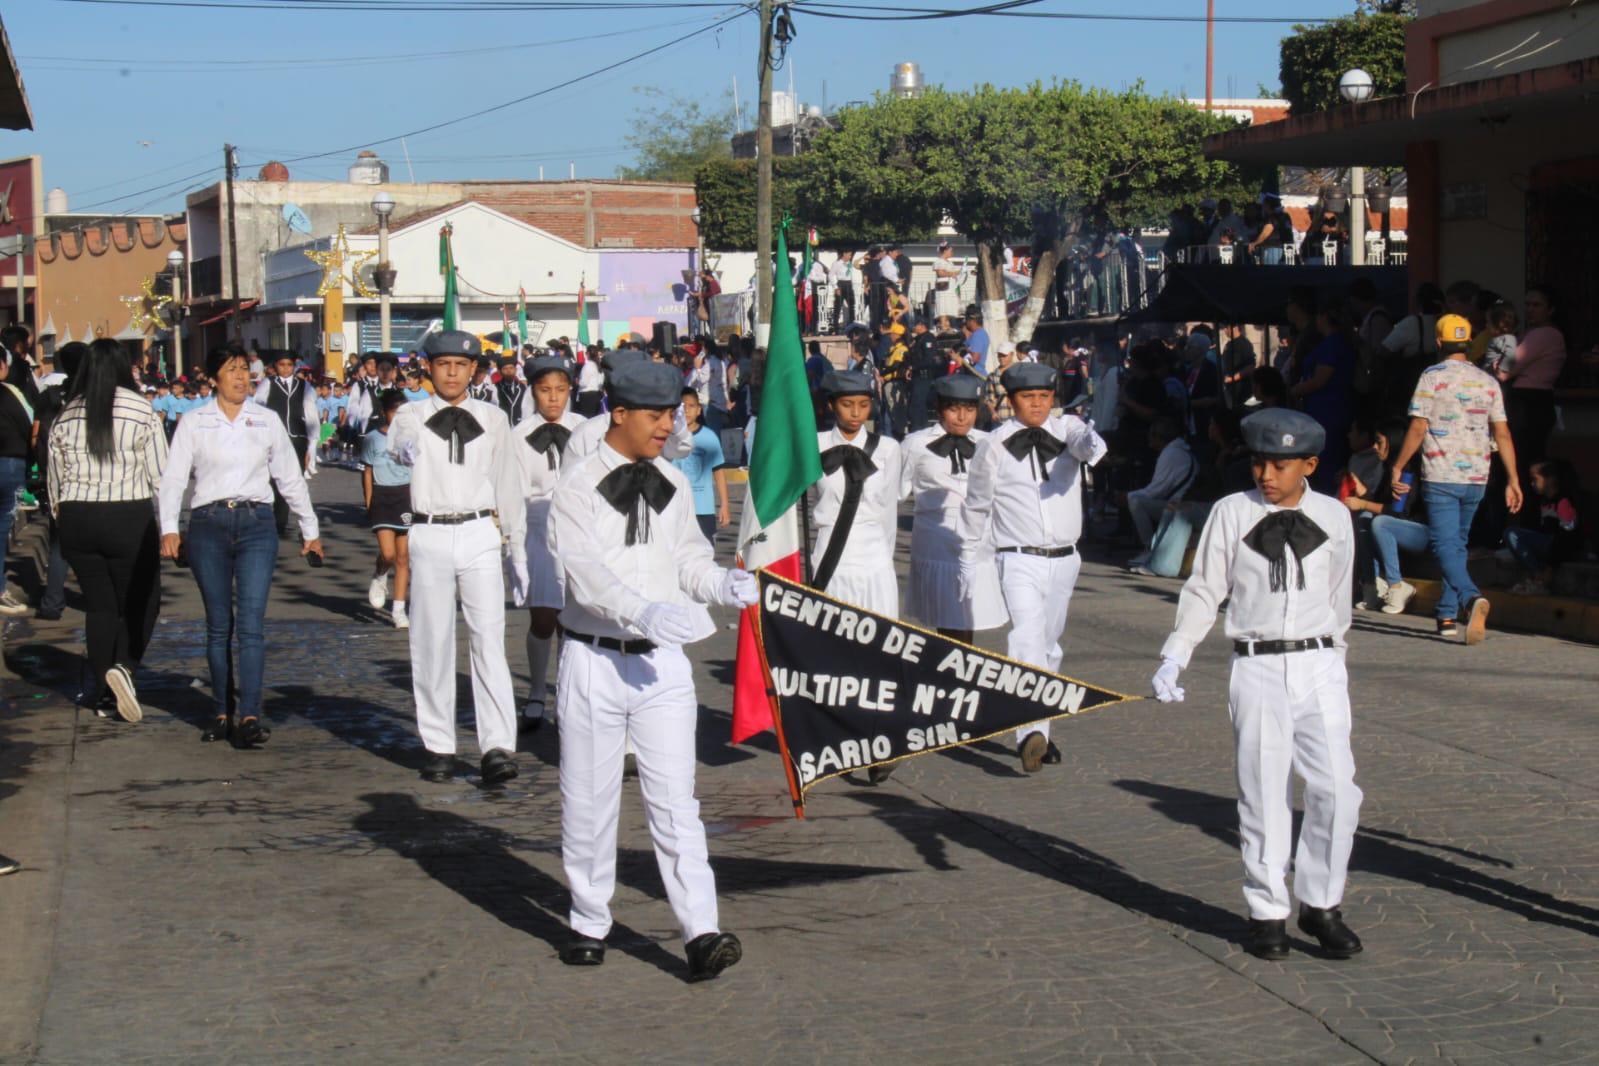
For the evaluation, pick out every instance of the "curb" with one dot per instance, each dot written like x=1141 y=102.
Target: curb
x=1550 y=616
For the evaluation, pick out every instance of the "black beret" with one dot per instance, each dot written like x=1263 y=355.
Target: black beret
x=647 y=384
x=452 y=342
x=1020 y=376
x=846 y=383
x=546 y=364
x=1281 y=433
x=621 y=357
x=960 y=388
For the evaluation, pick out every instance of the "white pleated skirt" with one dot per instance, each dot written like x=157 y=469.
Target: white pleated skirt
x=932 y=596
x=546 y=580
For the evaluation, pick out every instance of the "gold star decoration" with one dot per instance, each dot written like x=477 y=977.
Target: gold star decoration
x=335 y=259
x=146 y=308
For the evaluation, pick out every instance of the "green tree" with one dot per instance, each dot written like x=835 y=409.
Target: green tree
x=676 y=136
x=1054 y=163
x=1315 y=57
x=725 y=192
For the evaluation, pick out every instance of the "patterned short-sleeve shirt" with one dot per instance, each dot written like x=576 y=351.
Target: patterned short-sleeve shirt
x=1459 y=402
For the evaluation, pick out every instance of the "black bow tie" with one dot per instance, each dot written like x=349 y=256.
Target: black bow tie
x=958 y=450
x=457 y=426
x=627 y=485
x=1039 y=444
x=1292 y=530
x=549 y=440
x=855 y=463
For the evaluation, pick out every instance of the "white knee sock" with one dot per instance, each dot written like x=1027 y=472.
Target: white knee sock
x=538 y=666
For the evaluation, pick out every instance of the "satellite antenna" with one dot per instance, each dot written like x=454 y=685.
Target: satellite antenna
x=297 y=219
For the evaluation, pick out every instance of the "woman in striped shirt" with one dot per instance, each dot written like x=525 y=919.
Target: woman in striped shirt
x=107 y=450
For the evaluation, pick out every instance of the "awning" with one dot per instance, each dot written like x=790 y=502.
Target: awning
x=15 y=114
x=1378 y=132
x=1257 y=295
x=214 y=319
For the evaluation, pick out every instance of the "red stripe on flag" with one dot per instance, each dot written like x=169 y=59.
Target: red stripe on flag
x=752 y=706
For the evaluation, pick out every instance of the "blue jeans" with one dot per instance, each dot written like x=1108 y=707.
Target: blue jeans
x=1530 y=547
x=13 y=477
x=1272 y=255
x=1390 y=536
x=1450 y=508
x=232 y=552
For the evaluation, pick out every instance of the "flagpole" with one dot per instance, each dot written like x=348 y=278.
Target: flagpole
x=805 y=537
x=794 y=793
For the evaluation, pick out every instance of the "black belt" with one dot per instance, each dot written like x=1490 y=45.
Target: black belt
x=449 y=519
x=1042 y=553
x=626 y=647
x=232 y=505
x=1280 y=647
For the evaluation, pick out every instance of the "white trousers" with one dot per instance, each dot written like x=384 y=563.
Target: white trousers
x=1291 y=712
x=608 y=699
x=1037 y=593
x=447 y=561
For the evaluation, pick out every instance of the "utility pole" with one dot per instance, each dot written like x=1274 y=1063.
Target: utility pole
x=1210 y=51
x=763 y=184
x=230 y=163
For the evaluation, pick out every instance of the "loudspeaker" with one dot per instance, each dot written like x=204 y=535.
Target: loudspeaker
x=665 y=337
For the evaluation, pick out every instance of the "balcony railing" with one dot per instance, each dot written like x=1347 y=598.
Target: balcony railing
x=205 y=278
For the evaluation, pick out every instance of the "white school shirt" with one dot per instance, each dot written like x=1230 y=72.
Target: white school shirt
x=363 y=396
x=876 y=516
x=313 y=415
x=939 y=492
x=608 y=582
x=1227 y=569
x=239 y=459
x=1008 y=506
x=588 y=437
x=590 y=376
x=488 y=480
x=538 y=480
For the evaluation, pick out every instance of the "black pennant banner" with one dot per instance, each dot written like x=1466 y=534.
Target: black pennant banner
x=854 y=689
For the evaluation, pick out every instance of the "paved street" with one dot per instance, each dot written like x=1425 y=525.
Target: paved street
x=315 y=901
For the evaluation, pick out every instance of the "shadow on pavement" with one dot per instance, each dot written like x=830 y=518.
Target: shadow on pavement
x=931 y=829
x=1385 y=853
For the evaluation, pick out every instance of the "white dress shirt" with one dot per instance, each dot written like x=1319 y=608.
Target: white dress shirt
x=237 y=459
x=939 y=492
x=590 y=376
x=609 y=583
x=363 y=402
x=313 y=416
x=1008 y=506
x=489 y=478
x=1227 y=569
x=889 y=267
x=871 y=537
x=538 y=480
x=588 y=437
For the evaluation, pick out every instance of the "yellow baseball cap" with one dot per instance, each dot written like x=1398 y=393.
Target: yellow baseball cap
x=1453 y=329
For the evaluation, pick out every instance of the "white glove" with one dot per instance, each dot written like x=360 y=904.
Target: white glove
x=965 y=584
x=406 y=453
x=739 y=589
x=1165 y=682
x=666 y=623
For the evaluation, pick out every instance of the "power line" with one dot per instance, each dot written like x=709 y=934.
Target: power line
x=410 y=5
x=823 y=9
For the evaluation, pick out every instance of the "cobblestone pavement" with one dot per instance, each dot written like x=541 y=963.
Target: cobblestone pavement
x=315 y=901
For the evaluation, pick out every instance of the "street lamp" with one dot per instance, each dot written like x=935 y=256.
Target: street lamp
x=1357 y=87
x=383 y=207
x=175 y=265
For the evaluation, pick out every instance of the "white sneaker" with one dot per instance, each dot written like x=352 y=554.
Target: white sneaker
x=1382 y=589
x=1138 y=561
x=400 y=619
x=377 y=594
x=120 y=682
x=1398 y=597
x=11 y=606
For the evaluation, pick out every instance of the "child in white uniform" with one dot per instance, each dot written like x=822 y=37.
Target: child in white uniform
x=857 y=504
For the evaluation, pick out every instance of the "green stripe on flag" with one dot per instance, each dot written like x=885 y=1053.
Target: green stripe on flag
x=785 y=460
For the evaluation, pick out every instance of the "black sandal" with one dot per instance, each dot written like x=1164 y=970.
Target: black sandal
x=250 y=733
x=217 y=730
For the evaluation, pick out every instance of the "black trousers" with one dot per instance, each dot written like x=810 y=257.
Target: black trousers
x=115 y=551
x=843 y=305
x=280 y=506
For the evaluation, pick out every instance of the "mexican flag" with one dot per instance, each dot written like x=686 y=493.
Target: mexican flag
x=521 y=316
x=582 y=318
x=452 y=302
x=784 y=462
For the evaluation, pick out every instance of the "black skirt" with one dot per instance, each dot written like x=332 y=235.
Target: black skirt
x=391 y=508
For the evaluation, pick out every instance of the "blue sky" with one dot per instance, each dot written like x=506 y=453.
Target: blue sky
x=127 y=99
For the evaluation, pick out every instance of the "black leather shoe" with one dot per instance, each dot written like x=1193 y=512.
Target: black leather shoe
x=878 y=774
x=438 y=767
x=1268 y=939
x=583 y=951
x=1052 y=755
x=711 y=953
x=250 y=733
x=1033 y=749
x=1337 y=940
x=498 y=767
x=217 y=730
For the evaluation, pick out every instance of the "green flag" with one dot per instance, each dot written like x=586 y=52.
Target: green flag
x=784 y=460
x=521 y=316
x=452 y=302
